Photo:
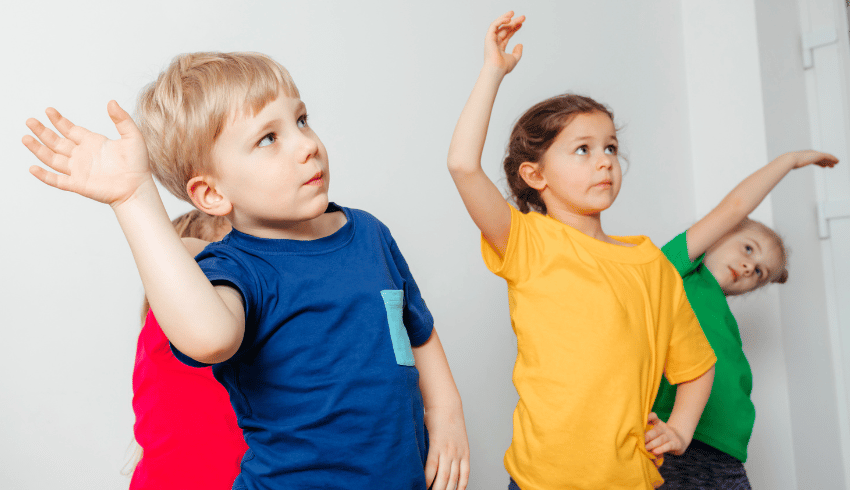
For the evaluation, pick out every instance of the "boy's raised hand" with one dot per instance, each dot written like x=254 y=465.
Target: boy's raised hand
x=809 y=157
x=87 y=163
x=496 y=41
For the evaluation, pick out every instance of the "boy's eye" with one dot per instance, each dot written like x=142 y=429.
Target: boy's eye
x=749 y=249
x=611 y=150
x=267 y=140
x=581 y=150
x=302 y=121
x=758 y=271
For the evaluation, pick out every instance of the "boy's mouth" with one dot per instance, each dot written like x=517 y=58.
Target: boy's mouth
x=316 y=180
x=734 y=274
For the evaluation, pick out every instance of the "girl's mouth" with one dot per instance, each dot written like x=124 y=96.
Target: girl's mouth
x=734 y=275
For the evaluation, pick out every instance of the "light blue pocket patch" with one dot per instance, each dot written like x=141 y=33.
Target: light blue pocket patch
x=394 y=303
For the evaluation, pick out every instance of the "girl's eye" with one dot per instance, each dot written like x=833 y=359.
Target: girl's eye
x=611 y=150
x=749 y=249
x=581 y=150
x=758 y=272
x=302 y=121
x=267 y=140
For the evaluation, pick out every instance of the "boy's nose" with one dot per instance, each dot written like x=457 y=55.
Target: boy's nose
x=309 y=148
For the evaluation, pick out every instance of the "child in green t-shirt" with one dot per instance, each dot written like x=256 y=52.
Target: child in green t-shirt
x=725 y=254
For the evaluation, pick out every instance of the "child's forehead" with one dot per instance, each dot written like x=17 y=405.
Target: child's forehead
x=247 y=110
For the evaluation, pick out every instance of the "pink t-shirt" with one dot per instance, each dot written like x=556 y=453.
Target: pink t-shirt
x=184 y=421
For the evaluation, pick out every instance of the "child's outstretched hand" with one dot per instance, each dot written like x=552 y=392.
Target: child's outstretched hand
x=662 y=438
x=447 y=464
x=809 y=157
x=498 y=35
x=87 y=163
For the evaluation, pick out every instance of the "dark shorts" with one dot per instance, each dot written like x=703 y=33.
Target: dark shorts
x=512 y=485
x=703 y=467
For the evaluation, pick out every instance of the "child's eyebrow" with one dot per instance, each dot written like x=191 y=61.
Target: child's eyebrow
x=265 y=128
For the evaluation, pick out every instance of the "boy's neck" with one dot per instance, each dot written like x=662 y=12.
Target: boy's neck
x=325 y=224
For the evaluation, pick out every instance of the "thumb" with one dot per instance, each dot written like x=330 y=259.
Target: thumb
x=123 y=122
x=517 y=52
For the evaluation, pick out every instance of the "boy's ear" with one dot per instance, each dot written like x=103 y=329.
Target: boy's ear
x=530 y=173
x=206 y=198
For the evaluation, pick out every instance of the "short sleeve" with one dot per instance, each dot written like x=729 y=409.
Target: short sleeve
x=519 y=252
x=676 y=251
x=417 y=318
x=223 y=268
x=689 y=354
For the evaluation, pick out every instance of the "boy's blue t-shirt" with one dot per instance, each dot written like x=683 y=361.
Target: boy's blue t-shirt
x=323 y=384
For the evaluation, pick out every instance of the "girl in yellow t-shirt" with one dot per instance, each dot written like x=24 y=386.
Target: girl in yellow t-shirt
x=598 y=318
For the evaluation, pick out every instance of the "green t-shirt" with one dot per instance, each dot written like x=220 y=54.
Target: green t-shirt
x=727 y=422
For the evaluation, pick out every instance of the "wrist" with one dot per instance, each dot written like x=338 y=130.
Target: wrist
x=145 y=194
x=492 y=72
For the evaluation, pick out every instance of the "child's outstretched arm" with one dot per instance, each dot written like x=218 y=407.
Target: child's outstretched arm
x=744 y=198
x=482 y=198
x=675 y=435
x=203 y=321
x=447 y=465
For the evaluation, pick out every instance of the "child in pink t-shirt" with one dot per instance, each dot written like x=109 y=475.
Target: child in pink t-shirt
x=185 y=424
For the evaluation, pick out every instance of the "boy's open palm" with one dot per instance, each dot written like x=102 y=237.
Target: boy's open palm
x=87 y=163
x=496 y=41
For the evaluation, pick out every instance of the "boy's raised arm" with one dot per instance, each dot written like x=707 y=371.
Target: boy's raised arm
x=746 y=196
x=204 y=322
x=482 y=198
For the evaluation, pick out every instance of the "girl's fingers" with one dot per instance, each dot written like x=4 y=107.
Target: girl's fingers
x=45 y=155
x=430 y=469
x=66 y=128
x=453 y=476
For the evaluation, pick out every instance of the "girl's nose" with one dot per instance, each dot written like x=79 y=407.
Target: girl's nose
x=746 y=268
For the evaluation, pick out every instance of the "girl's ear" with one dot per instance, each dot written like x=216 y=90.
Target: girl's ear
x=530 y=173
x=206 y=198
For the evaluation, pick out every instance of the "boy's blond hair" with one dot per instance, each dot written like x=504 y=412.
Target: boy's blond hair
x=182 y=113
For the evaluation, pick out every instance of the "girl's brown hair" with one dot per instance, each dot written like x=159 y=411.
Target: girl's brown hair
x=533 y=134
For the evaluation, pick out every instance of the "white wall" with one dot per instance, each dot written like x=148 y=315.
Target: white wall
x=384 y=83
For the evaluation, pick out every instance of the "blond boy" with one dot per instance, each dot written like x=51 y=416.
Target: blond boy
x=307 y=310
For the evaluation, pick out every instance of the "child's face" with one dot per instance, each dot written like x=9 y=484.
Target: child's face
x=744 y=260
x=272 y=168
x=581 y=168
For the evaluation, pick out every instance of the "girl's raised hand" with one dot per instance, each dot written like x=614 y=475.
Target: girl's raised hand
x=496 y=42
x=808 y=157
x=87 y=163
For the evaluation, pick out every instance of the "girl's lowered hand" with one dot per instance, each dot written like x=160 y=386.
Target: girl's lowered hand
x=662 y=438
x=496 y=42
x=90 y=164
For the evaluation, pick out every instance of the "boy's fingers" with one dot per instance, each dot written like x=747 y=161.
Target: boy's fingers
x=66 y=128
x=454 y=474
x=430 y=469
x=49 y=178
x=44 y=154
x=49 y=138
x=464 y=474
x=123 y=122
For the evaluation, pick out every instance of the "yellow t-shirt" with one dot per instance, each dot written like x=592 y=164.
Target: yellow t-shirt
x=597 y=325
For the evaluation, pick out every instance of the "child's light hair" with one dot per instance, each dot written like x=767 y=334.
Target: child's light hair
x=182 y=113
x=780 y=276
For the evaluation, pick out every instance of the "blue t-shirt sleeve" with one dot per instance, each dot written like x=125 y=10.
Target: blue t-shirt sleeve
x=676 y=251
x=223 y=268
x=417 y=317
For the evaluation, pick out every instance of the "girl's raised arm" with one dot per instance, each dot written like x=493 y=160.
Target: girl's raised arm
x=482 y=198
x=746 y=196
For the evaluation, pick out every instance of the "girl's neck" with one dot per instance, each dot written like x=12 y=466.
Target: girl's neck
x=589 y=224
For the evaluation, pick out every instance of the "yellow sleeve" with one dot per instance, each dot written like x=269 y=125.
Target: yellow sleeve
x=514 y=266
x=689 y=354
